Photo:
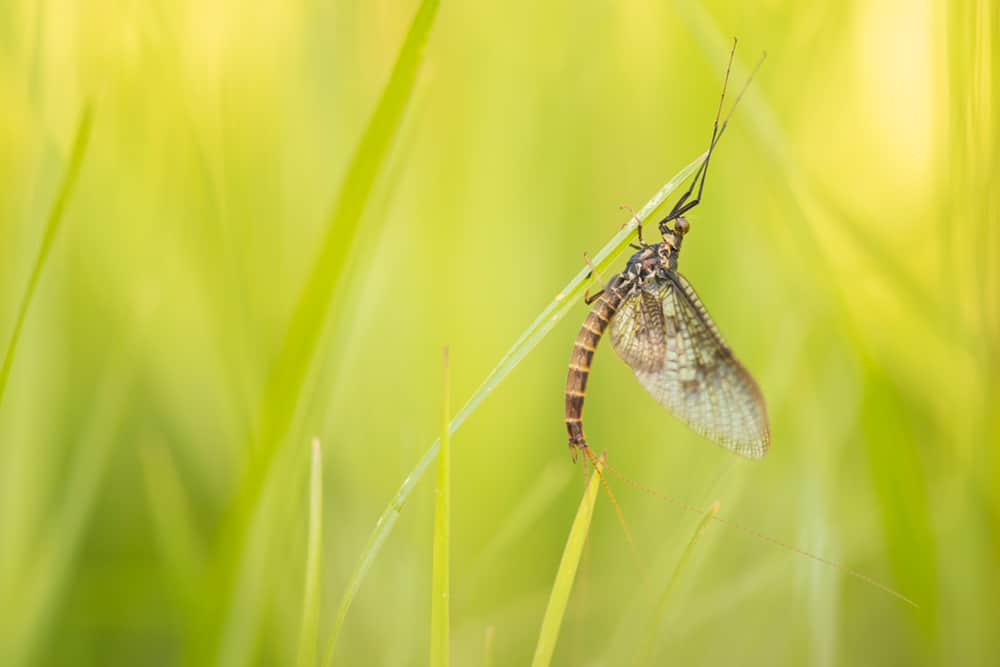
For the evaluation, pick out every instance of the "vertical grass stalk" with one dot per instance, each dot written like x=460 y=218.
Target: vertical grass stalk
x=559 y=596
x=284 y=389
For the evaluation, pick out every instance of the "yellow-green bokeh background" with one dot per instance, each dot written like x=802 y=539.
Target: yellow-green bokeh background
x=848 y=248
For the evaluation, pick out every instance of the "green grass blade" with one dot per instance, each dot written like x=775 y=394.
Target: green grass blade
x=659 y=616
x=567 y=298
x=48 y=237
x=531 y=336
x=311 y=597
x=563 y=586
x=440 y=603
x=283 y=391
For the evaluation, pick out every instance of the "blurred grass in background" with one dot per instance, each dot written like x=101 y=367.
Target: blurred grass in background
x=848 y=247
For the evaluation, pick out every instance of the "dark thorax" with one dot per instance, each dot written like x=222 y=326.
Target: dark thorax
x=651 y=261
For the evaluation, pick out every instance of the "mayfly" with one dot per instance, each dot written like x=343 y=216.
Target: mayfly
x=659 y=326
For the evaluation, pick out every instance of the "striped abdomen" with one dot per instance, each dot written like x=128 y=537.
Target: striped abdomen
x=579 y=362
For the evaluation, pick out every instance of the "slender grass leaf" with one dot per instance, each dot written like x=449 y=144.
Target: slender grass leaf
x=285 y=386
x=283 y=392
x=48 y=238
x=531 y=336
x=563 y=585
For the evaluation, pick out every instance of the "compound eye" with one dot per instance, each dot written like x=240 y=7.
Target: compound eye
x=681 y=226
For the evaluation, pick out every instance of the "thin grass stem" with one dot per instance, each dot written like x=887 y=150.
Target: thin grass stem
x=527 y=341
x=283 y=392
x=566 y=574
x=48 y=237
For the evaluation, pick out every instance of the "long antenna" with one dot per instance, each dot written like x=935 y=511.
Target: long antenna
x=683 y=205
x=753 y=73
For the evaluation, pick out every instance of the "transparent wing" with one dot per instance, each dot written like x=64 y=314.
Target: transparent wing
x=668 y=338
x=636 y=331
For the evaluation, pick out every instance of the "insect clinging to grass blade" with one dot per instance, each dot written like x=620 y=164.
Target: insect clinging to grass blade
x=659 y=326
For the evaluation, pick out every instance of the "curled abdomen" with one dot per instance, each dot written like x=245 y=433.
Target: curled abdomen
x=579 y=363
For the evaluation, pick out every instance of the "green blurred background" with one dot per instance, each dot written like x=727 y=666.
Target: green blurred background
x=153 y=502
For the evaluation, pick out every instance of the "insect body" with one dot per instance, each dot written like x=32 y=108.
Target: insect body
x=659 y=326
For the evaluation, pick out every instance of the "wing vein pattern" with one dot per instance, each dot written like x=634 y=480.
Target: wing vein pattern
x=668 y=338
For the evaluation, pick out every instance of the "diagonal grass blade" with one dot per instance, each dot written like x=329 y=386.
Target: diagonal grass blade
x=284 y=389
x=531 y=336
x=48 y=237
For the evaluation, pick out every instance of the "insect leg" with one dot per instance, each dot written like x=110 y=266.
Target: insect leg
x=683 y=206
x=587 y=299
x=638 y=222
x=591 y=298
